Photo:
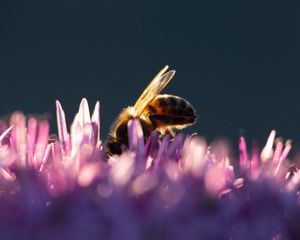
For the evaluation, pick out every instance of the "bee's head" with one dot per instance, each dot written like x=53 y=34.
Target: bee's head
x=117 y=143
x=113 y=147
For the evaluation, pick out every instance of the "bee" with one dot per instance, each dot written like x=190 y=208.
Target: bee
x=164 y=113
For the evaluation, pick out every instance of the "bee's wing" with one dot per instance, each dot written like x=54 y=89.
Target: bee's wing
x=153 y=89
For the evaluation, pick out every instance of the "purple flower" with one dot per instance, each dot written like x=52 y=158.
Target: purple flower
x=183 y=188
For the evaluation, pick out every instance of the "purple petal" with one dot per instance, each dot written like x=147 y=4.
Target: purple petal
x=162 y=152
x=152 y=144
x=136 y=138
x=175 y=146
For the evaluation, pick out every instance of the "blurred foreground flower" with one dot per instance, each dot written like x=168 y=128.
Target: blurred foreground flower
x=63 y=188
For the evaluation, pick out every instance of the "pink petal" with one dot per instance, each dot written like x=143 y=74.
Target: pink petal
x=6 y=133
x=7 y=157
x=96 y=120
x=3 y=126
x=45 y=157
x=243 y=153
x=87 y=145
x=57 y=179
x=41 y=144
x=62 y=128
x=267 y=151
x=122 y=169
x=76 y=136
x=287 y=148
x=88 y=173
x=278 y=151
x=254 y=160
x=56 y=152
x=194 y=156
x=215 y=180
x=18 y=138
x=283 y=155
x=84 y=113
x=31 y=139
x=88 y=134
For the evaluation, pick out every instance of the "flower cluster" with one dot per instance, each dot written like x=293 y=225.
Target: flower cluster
x=184 y=188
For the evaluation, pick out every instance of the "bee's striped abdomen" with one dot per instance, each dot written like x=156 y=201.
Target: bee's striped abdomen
x=168 y=110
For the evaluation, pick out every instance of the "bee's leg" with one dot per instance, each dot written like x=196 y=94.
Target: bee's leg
x=170 y=131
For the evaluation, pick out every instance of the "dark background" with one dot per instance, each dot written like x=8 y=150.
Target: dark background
x=237 y=62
